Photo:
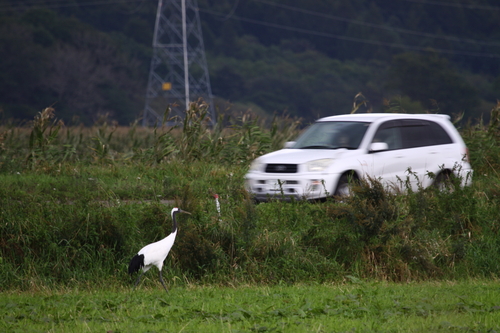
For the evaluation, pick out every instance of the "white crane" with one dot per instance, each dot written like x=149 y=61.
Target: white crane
x=154 y=254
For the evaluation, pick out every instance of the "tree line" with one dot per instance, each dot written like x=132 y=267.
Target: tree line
x=265 y=56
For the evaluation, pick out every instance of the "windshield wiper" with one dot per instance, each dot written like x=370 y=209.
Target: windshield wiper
x=326 y=147
x=318 y=147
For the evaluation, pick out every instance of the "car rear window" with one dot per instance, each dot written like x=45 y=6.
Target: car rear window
x=412 y=133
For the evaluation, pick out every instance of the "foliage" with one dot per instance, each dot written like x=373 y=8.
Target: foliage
x=42 y=136
x=76 y=221
x=430 y=79
x=276 y=56
x=354 y=305
x=52 y=59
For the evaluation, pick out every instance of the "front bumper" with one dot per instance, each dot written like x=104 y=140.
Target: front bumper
x=264 y=187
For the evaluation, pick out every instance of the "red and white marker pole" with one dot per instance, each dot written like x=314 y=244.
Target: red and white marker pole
x=217 y=204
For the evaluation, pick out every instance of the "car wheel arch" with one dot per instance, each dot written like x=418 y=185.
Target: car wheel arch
x=443 y=177
x=343 y=182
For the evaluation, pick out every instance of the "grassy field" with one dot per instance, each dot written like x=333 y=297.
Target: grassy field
x=472 y=306
x=77 y=203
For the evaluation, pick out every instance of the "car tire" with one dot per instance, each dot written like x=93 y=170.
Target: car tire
x=444 y=182
x=344 y=185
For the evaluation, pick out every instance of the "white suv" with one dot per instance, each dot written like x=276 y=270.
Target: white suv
x=400 y=150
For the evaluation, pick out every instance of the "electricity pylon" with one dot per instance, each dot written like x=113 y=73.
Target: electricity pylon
x=178 y=74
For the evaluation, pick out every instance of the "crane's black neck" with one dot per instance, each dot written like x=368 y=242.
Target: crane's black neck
x=174 y=222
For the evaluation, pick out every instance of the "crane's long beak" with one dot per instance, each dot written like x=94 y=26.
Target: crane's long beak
x=183 y=211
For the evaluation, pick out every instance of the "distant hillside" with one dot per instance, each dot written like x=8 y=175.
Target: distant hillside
x=306 y=59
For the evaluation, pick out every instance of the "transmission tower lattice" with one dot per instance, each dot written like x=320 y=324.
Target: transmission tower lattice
x=178 y=74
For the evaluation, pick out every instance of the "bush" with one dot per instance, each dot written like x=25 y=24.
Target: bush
x=78 y=221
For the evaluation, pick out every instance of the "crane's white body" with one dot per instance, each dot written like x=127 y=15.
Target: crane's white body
x=155 y=253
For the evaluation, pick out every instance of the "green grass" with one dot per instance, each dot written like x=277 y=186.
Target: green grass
x=471 y=306
x=77 y=203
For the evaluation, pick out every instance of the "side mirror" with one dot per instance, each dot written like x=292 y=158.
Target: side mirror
x=289 y=144
x=378 y=146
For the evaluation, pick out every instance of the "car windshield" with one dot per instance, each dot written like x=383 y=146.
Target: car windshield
x=332 y=135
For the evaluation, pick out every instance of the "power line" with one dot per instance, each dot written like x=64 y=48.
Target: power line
x=55 y=4
x=231 y=13
x=135 y=10
x=30 y=3
x=354 y=39
x=453 y=4
x=313 y=32
x=379 y=26
x=305 y=11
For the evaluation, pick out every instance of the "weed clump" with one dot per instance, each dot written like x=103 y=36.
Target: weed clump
x=77 y=202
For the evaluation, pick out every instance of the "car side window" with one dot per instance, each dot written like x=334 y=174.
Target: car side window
x=415 y=133
x=389 y=132
x=422 y=133
x=411 y=133
x=439 y=135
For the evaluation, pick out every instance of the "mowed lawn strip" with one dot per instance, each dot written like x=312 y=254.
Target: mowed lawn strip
x=367 y=307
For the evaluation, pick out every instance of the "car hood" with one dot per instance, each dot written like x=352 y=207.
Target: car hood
x=300 y=156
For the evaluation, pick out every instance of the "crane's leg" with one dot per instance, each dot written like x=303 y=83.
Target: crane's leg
x=163 y=283
x=138 y=278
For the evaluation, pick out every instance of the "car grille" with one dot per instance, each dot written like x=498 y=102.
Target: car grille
x=281 y=168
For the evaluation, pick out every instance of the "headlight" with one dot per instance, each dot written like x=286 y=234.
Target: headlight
x=319 y=165
x=256 y=165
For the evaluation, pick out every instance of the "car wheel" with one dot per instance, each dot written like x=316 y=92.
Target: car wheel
x=444 y=182
x=344 y=186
